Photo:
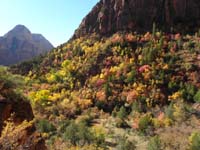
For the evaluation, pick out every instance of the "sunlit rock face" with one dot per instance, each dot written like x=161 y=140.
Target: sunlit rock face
x=110 y=16
x=19 y=44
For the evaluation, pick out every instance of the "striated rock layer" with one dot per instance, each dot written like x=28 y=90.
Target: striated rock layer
x=110 y=16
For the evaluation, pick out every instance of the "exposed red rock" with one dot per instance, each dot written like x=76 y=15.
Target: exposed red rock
x=17 y=129
x=22 y=137
x=20 y=109
x=110 y=16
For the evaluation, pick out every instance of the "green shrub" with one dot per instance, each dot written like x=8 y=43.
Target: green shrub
x=63 y=125
x=169 y=111
x=125 y=144
x=100 y=140
x=173 y=86
x=154 y=143
x=144 y=123
x=107 y=89
x=85 y=135
x=45 y=126
x=122 y=114
x=71 y=134
x=197 y=96
x=121 y=123
x=131 y=78
x=78 y=134
x=136 y=107
x=195 y=141
x=87 y=120
x=188 y=92
x=149 y=54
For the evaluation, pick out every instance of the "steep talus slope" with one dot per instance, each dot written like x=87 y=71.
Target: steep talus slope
x=110 y=16
x=20 y=44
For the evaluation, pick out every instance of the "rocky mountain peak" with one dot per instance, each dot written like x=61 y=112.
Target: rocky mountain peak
x=19 y=31
x=21 y=28
x=110 y=16
x=19 y=44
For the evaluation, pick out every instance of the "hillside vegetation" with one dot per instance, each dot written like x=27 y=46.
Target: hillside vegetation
x=127 y=91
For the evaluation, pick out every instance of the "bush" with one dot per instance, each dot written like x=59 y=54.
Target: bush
x=169 y=111
x=173 y=86
x=131 y=78
x=194 y=141
x=189 y=92
x=78 y=134
x=85 y=135
x=136 y=107
x=63 y=125
x=154 y=143
x=71 y=134
x=99 y=137
x=107 y=89
x=125 y=144
x=45 y=126
x=144 y=122
x=121 y=123
x=100 y=140
x=197 y=96
x=122 y=114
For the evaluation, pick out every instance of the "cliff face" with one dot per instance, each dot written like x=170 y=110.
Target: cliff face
x=110 y=16
x=20 y=44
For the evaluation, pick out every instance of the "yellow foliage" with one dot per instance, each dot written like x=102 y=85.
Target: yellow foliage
x=140 y=57
x=140 y=87
x=165 y=67
x=102 y=76
x=84 y=103
x=51 y=78
x=157 y=123
x=39 y=96
x=11 y=129
x=62 y=73
x=177 y=111
x=114 y=69
x=65 y=102
x=94 y=79
x=175 y=96
x=55 y=97
x=98 y=131
x=167 y=122
x=131 y=60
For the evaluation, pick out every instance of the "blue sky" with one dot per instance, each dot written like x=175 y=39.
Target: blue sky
x=55 y=19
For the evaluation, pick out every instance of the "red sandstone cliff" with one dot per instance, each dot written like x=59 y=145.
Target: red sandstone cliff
x=110 y=16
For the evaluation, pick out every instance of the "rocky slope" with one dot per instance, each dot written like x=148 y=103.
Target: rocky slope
x=148 y=82
x=17 y=129
x=110 y=16
x=20 y=44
